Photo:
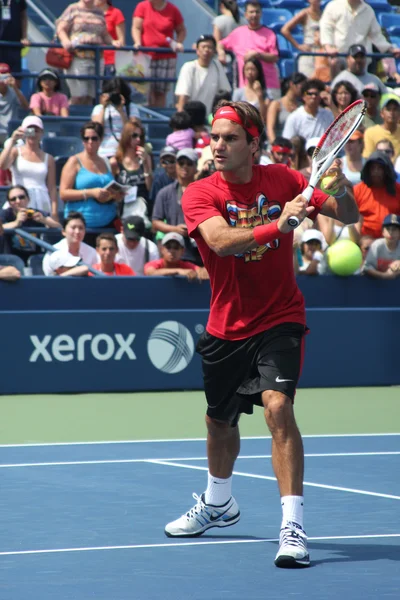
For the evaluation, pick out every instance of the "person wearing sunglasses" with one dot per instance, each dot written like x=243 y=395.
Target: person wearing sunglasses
x=166 y=173
x=84 y=180
x=309 y=120
x=133 y=166
x=371 y=94
x=20 y=214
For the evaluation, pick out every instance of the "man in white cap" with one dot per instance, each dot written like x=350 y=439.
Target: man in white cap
x=171 y=263
x=311 y=248
x=65 y=264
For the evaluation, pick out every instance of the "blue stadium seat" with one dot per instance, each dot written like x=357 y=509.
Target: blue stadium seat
x=62 y=146
x=157 y=143
x=391 y=22
x=380 y=5
x=292 y=5
x=70 y=128
x=80 y=110
x=60 y=162
x=285 y=47
x=275 y=18
x=35 y=263
x=158 y=130
x=287 y=67
x=10 y=260
x=264 y=3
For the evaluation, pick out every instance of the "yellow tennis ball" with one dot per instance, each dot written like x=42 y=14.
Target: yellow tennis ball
x=344 y=258
x=326 y=181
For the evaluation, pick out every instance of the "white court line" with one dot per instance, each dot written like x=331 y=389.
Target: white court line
x=185 y=544
x=168 y=441
x=267 y=477
x=185 y=459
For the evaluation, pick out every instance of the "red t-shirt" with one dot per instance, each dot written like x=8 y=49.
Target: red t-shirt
x=113 y=17
x=374 y=205
x=119 y=269
x=257 y=290
x=157 y=26
x=160 y=264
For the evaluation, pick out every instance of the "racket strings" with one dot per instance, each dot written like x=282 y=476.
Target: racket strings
x=338 y=131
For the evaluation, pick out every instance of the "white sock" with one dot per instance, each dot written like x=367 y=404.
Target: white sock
x=292 y=509
x=218 y=490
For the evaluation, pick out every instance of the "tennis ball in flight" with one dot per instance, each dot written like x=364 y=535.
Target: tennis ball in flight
x=344 y=258
x=326 y=181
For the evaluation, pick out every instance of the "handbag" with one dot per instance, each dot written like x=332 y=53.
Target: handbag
x=59 y=57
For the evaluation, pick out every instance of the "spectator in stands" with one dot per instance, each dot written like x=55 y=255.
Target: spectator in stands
x=254 y=89
x=167 y=212
x=74 y=230
x=115 y=22
x=383 y=258
x=279 y=154
x=299 y=158
x=155 y=22
x=389 y=130
x=134 y=249
x=9 y=273
x=371 y=94
x=353 y=161
x=279 y=110
x=343 y=94
x=13 y=28
x=202 y=78
x=311 y=247
x=64 y=264
x=84 y=180
x=198 y=116
x=183 y=135
x=311 y=144
x=21 y=214
x=30 y=166
x=254 y=41
x=83 y=23
x=115 y=109
x=308 y=19
x=344 y=21
x=377 y=195
x=227 y=21
x=356 y=72
x=107 y=248
x=11 y=98
x=132 y=166
x=309 y=120
x=166 y=174
x=49 y=100
x=171 y=261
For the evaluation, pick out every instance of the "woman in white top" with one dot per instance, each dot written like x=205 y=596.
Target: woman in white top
x=115 y=109
x=308 y=19
x=31 y=167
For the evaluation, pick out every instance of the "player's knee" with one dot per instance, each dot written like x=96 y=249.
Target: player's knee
x=217 y=428
x=278 y=409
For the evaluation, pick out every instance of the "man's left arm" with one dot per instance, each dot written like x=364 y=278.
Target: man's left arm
x=268 y=57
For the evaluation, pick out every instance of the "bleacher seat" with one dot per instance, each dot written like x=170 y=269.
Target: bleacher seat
x=71 y=128
x=35 y=263
x=158 y=130
x=287 y=67
x=11 y=260
x=380 y=5
x=157 y=143
x=292 y=5
x=62 y=145
x=275 y=18
x=60 y=162
x=80 y=110
x=285 y=47
x=391 y=22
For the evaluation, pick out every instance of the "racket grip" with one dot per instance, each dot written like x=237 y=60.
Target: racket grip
x=293 y=222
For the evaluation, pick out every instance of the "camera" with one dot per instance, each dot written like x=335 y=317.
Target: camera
x=115 y=98
x=30 y=212
x=30 y=132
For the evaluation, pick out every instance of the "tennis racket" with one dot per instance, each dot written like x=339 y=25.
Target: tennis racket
x=329 y=146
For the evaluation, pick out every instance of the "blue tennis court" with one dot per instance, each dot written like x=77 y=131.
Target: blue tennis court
x=86 y=520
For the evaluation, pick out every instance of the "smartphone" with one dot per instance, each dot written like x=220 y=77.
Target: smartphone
x=30 y=132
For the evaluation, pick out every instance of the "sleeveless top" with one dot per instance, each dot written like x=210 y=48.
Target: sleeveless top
x=96 y=213
x=133 y=178
x=307 y=63
x=33 y=176
x=282 y=116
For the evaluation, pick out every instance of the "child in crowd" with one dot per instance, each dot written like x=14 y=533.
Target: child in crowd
x=49 y=100
x=183 y=135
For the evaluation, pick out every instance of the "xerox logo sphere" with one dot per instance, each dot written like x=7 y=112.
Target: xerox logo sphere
x=170 y=347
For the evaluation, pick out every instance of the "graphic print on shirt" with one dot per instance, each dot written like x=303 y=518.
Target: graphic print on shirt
x=261 y=212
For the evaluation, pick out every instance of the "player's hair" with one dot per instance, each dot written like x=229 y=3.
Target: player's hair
x=248 y=114
x=74 y=214
x=106 y=236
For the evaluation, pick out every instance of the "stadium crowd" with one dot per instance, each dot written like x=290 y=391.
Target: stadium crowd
x=114 y=203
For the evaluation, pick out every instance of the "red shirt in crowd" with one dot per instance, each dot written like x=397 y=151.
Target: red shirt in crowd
x=113 y=17
x=256 y=290
x=119 y=269
x=158 y=25
x=374 y=205
x=160 y=264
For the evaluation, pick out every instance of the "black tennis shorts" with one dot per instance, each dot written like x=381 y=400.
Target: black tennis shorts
x=236 y=372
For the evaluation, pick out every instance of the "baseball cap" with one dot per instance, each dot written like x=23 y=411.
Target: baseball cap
x=60 y=258
x=168 y=151
x=313 y=234
x=356 y=49
x=172 y=236
x=134 y=227
x=391 y=220
x=188 y=153
x=371 y=87
x=312 y=143
x=357 y=135
x=32 y=121
x=386 y=98
x=5 y=71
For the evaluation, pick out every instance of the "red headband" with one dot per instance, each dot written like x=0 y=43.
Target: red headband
x=227 y=112
x=282 y=149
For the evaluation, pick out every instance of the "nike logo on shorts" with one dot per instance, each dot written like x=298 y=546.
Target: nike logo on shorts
x=279 y=380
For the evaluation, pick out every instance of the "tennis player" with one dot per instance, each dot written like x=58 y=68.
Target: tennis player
x=252 y=349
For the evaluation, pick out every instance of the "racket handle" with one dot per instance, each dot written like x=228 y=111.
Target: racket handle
x=294 y=222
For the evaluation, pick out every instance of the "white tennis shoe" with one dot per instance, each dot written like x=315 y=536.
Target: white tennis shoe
x=202 y=517
x=292 y=551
